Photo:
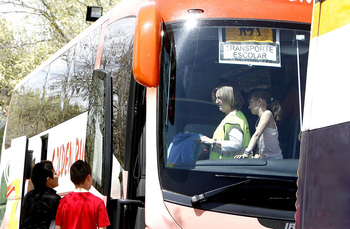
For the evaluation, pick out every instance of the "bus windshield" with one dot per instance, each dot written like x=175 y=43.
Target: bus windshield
x=199 y=56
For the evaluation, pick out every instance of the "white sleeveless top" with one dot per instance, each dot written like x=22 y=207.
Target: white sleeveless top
x=269 y=146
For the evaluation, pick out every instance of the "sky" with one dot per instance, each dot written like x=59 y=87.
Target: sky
x=14 y=14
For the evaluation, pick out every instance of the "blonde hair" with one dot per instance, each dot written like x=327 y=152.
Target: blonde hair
x=230 y=95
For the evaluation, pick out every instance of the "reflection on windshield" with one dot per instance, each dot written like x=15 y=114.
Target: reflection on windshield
x=209 y=74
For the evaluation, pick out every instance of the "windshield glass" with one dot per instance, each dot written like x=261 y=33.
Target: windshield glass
x=209 y=112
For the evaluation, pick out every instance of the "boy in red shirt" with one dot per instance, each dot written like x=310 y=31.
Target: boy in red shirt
x=81 y=209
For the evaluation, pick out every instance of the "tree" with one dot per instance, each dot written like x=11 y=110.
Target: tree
x=45 y=26
x=9 y=71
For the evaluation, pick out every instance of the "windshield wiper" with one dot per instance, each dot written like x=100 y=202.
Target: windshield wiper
x=285 y=180
x=196 y=199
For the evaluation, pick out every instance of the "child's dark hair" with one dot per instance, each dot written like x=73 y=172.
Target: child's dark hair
x=79 y=171
x=40 y=172
x=272 y=104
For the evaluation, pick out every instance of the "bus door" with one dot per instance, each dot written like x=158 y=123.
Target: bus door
x=122 y=109
x=16 y=162
x=112 y=184
x=100 y=117
x=127 y=123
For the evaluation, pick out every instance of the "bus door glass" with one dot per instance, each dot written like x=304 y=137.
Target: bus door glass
x=96 y=129
x=202 y=56
x=116 y=60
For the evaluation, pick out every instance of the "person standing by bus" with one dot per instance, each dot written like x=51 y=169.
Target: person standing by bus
x=232 y=134
x=266 y=134
x=40 y=204
x=80 y=208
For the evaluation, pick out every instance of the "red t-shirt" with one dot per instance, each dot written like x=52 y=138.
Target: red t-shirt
x=81 y=210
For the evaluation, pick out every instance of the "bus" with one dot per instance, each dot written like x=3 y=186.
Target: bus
x=123 y=94
x=3 y=190
x=324 y=192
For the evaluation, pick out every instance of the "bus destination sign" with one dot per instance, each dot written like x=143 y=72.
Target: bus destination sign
x=251 y=53
x=251 y=46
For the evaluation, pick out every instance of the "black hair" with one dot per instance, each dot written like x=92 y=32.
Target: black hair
x=40 y=172
x=79 y=171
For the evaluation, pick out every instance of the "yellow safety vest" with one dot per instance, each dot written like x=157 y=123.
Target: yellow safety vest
x=235 y=119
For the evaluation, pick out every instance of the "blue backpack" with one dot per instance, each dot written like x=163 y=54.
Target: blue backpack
x=184 y=149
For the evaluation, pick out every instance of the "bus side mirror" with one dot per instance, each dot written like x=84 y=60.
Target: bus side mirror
x=147 y=46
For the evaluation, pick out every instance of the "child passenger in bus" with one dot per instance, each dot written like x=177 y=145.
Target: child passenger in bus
x=266 y=134
x=80 y=208
x=232 y=134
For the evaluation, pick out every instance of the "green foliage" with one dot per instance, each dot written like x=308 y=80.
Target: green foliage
x=10 y=67
x=46 y=26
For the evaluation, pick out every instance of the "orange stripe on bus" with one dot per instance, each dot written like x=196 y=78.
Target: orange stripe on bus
x=300 y=11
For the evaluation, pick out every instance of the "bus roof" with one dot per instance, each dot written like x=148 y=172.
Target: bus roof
x=299 y=11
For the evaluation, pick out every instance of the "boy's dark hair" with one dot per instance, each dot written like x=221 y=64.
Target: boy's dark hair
x=79 y=171
x=40 y=172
